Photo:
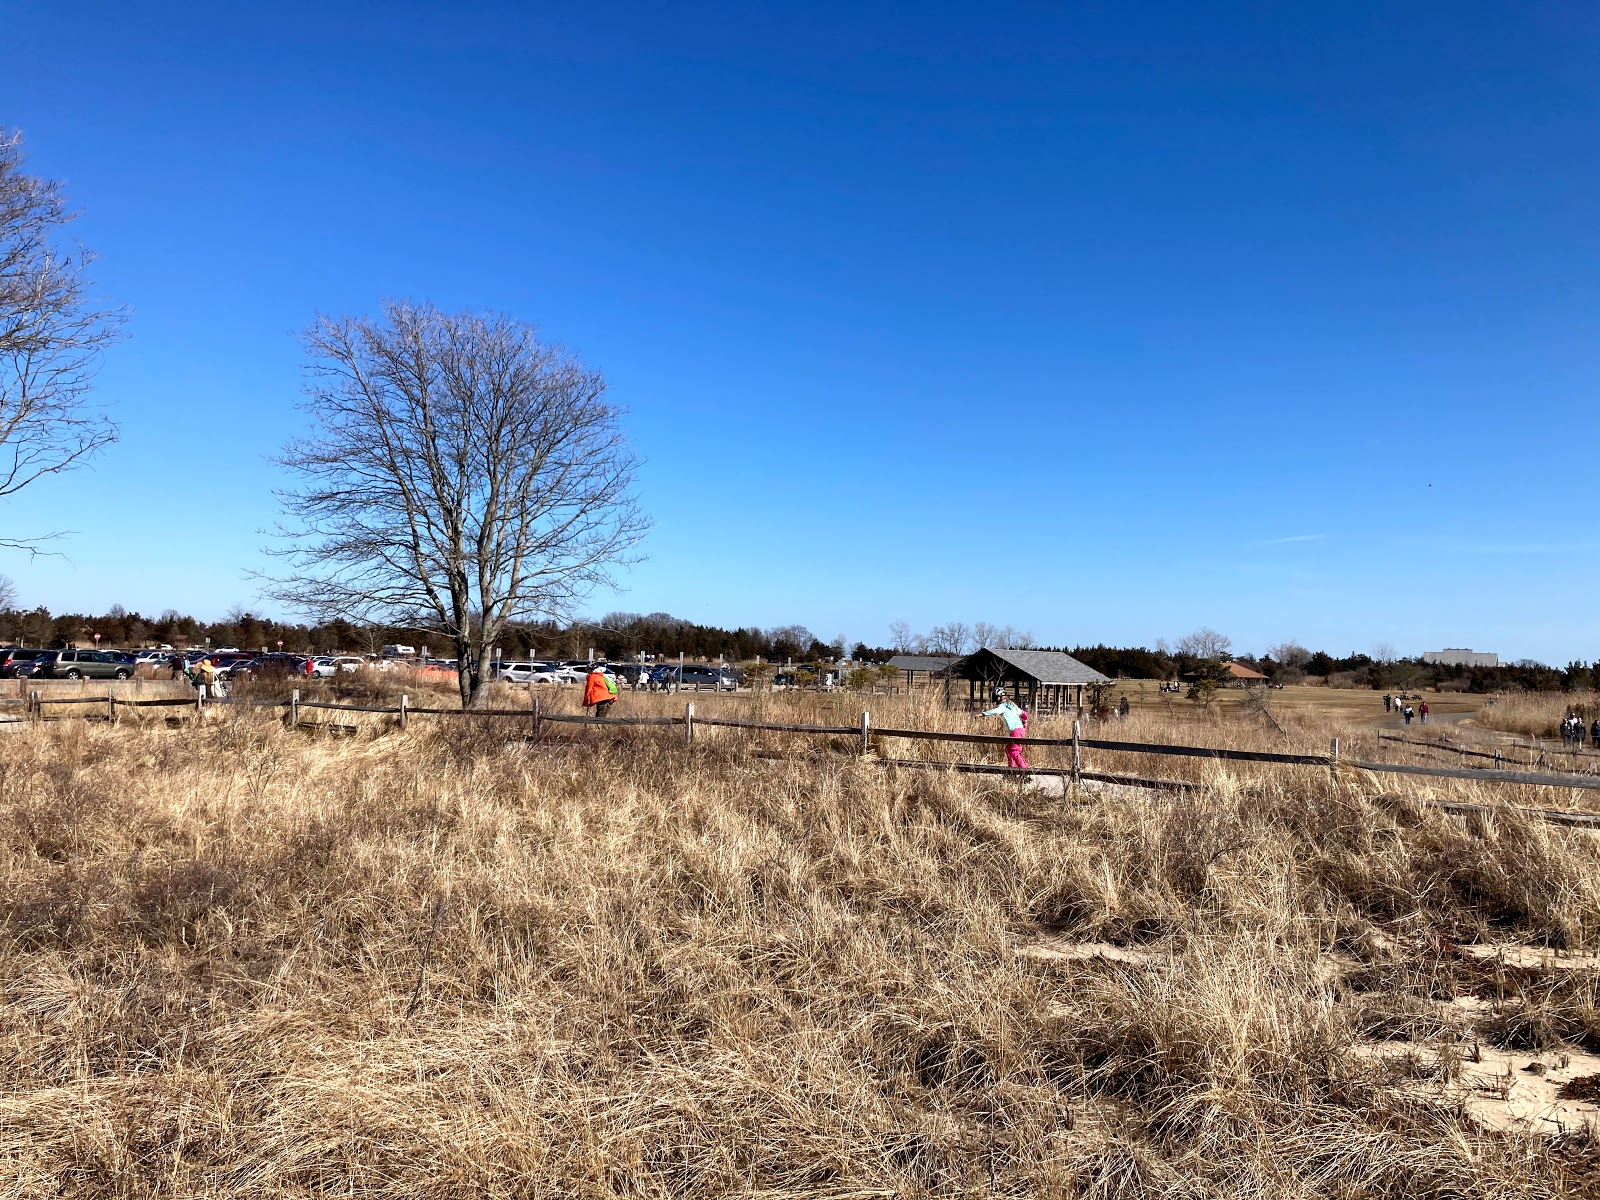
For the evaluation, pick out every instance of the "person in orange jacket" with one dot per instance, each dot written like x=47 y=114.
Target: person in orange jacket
x=599 y=690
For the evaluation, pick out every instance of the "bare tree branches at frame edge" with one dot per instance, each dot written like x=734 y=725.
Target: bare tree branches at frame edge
x=51 y=337
x=461 y=475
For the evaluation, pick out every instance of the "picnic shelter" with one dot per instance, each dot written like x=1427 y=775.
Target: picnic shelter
x=1042 y=681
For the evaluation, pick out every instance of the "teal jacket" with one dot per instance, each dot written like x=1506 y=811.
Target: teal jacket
x=1008 y=712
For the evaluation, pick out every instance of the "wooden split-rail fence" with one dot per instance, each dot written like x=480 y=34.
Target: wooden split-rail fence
x=864 y=732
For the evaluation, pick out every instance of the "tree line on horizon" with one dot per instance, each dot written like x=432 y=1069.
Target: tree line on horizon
x=623 y=636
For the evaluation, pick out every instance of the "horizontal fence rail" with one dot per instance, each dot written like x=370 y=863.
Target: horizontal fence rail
x=535 y=715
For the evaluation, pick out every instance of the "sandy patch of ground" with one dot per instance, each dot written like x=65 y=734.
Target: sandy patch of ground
x=1062 y=951
x=1554 y=1092
x=1535 y=958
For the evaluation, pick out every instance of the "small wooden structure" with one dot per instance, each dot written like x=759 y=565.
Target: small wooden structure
x=928 y=665
x=1241 y=676
x=1042 y=681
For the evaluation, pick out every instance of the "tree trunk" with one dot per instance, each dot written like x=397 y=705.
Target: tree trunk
x=464 y=676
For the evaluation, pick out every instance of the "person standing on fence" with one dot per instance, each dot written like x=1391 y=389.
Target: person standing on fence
x=600 y=691
x=1016 y=722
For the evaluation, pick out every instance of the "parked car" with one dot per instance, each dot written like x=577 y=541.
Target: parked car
x=528 y=672
x=229 y=661
x=632 y=674
x=84 y=664
x=323 y=667
x=695 y=678
x=19 y=663
x=272 y=666
x=347 y=663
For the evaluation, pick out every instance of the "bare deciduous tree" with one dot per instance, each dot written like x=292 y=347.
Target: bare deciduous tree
x=985 y=636
x=1205 y=642
x=462 y=474
x=1289 y=654
x=51 y=335
x=900 y=636
x=8 y=594
x=1384 y=653
x=953 y=638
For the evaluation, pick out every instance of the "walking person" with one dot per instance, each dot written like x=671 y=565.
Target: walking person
x=1388 y=702
x=1016 y=723
x=179 y=667
x=1422 y=712
x=1123 y=709
x=1408 y=714
x=206 y=671
x=599 y=691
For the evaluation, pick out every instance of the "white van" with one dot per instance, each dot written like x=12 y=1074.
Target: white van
x=399 y=651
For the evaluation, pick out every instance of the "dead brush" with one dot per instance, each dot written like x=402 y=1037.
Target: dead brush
x=452 y=963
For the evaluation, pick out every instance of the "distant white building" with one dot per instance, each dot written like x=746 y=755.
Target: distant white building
x=1460 y=658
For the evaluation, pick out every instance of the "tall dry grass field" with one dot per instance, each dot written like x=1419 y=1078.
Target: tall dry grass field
x=1538 y=714
x=247 y=961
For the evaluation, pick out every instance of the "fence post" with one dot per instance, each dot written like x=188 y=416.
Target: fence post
x=199 y=702
x=688 y=723
x=536 y=722
x=36 y=704
x=294 y=708
x=866 y=733
x=404 y=700
x=1077 y=753
x=1333 y=760
x=111 y=703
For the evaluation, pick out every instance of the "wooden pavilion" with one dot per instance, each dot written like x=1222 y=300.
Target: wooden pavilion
x=928 y=665
x=1042 y=681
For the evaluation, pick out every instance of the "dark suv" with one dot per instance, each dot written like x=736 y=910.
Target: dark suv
x=274 y=666
x=17 y=663
x=84 y=664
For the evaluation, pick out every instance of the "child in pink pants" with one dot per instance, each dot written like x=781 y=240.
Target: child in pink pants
x=1016 y=722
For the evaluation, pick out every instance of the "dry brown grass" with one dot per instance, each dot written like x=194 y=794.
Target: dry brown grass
x=1538 y=714
x=245 y=961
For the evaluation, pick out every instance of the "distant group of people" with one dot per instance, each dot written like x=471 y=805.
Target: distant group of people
x=1397 y=704
x=202 y=675
x=1572 y=729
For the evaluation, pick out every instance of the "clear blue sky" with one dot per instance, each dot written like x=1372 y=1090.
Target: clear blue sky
x=1103 y=320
